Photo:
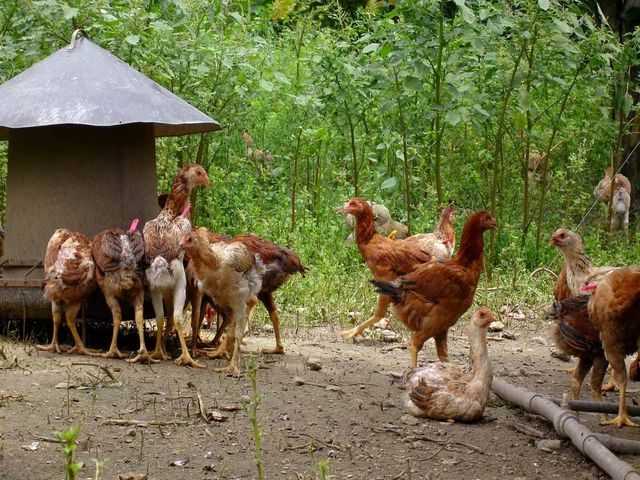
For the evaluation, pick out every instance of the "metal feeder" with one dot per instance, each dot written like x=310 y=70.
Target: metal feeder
x=81 y=126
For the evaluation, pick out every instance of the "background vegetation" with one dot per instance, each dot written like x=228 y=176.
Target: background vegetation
x=411 y=104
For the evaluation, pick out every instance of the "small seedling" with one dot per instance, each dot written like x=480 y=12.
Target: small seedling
x=68 y=441
x=99 y=464
x=251 y=409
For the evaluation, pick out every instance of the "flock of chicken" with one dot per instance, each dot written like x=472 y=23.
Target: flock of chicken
x=429 y=288
x=178 y=265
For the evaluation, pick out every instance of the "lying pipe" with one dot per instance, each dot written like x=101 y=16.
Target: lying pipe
x=598 y=407
x=566 y=424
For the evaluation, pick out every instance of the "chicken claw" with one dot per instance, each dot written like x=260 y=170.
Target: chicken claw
x=113 y=353
x=160 y=355
x=82 y=350
x=620 y=420
x=143 y=357
x=350 y=334
x=53 y=347
x=278 y=350
x=230 y=370
x=186 y=360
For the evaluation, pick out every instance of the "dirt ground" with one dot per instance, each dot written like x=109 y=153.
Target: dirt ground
x=358 y=424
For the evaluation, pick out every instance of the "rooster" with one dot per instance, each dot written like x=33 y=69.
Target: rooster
x=165 y=273
x=119 y=257
x=431 y=298
x=279 y=264
x=614 y=309
x=69 y=279
x=231 y=275
x=387 y=258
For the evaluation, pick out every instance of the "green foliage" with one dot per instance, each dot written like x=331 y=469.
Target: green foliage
x=250 y=407
x=408 y=103
x=68 y=440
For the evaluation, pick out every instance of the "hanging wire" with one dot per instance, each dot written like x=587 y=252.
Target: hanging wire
x=74 y=36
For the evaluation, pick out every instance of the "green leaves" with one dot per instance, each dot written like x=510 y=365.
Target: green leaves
x=389 y=184
x=466 y=12
x=544 y=4
x=132 y=39
x=69 y=12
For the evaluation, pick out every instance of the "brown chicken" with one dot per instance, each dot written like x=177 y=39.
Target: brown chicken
x=445 y=391
x=386 y=258
x=165 y=272
x=431 y=298
x=603 y=189
x=119 y=257
x=614 y=308
x=442 y=242
x=279 y=263
x=575 y=334
x=69 y=279
x=231 y=275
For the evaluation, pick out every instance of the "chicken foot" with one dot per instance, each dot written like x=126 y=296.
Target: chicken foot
x=179 y=297
x=116 y=313
x=71 y=313
x=54 y=346
x=234 y=338
x=143 y=354
x=382 y=306
x=620 y=378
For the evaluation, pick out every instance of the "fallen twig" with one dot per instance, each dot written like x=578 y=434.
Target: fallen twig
x=44 y=439
x=104 y=368
x=139 y=423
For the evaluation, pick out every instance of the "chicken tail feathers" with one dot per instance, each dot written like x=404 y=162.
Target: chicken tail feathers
x=394 y=290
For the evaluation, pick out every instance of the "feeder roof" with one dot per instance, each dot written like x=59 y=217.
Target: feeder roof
x=84 y=84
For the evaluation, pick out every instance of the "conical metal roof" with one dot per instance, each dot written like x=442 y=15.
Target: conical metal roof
x=84 y=84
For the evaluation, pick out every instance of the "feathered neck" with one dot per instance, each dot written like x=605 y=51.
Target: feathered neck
x=365 y=225
x=576 y=260
x=179 y=195
x=445 y=230
x=479 y=357
x=471 y=244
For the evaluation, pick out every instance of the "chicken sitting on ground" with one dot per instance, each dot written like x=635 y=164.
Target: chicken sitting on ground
x=69 y=279
x=445 y=391
x=279 y=264
x=119 y=258
x=614 y=308
x=431 y=299
x=386 y=258
x=231 y=275
x=575 y=334
x=578 y=269
x=165 y=273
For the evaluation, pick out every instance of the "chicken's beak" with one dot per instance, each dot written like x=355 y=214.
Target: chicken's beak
x=553 y=242
x=493 y=225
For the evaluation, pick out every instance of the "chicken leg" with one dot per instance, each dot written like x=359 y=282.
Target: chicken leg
x=143 y=354
x=620 y=378
x=116 y=313
x=442 y=348
x=234 y=335
x=71 y=313
x=382 y=306
x=272 y=308
x=156 y=299
x=56 y=313
x=179 y=297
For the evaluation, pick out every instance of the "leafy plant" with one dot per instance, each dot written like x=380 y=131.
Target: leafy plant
x=68 y=440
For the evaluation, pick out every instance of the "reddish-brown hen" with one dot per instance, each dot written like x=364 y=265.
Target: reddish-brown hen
x=69 y=279
x=431 y=298
x=386 y=258
x=614 y=308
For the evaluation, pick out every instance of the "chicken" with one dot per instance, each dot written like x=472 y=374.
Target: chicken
x=603 y=189
x=445 y=391
x=575 y=334
x=620 y=211
x=441 y=243
x=279 y=264
x=385 y=225
x=69 y=279
x=231 y=275
x=578 y=269
x=431 y=298
x=165 y=273
x=614 y=309
x=386 y=258
x=120 y=262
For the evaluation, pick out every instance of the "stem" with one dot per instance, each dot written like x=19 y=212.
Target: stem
x=294 y=180
x=405 y=155
x=438 y=81
x=547 y=153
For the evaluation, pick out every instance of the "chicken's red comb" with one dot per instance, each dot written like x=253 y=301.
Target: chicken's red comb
x=590 y=287
x=134 y=225
x=185 y=210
